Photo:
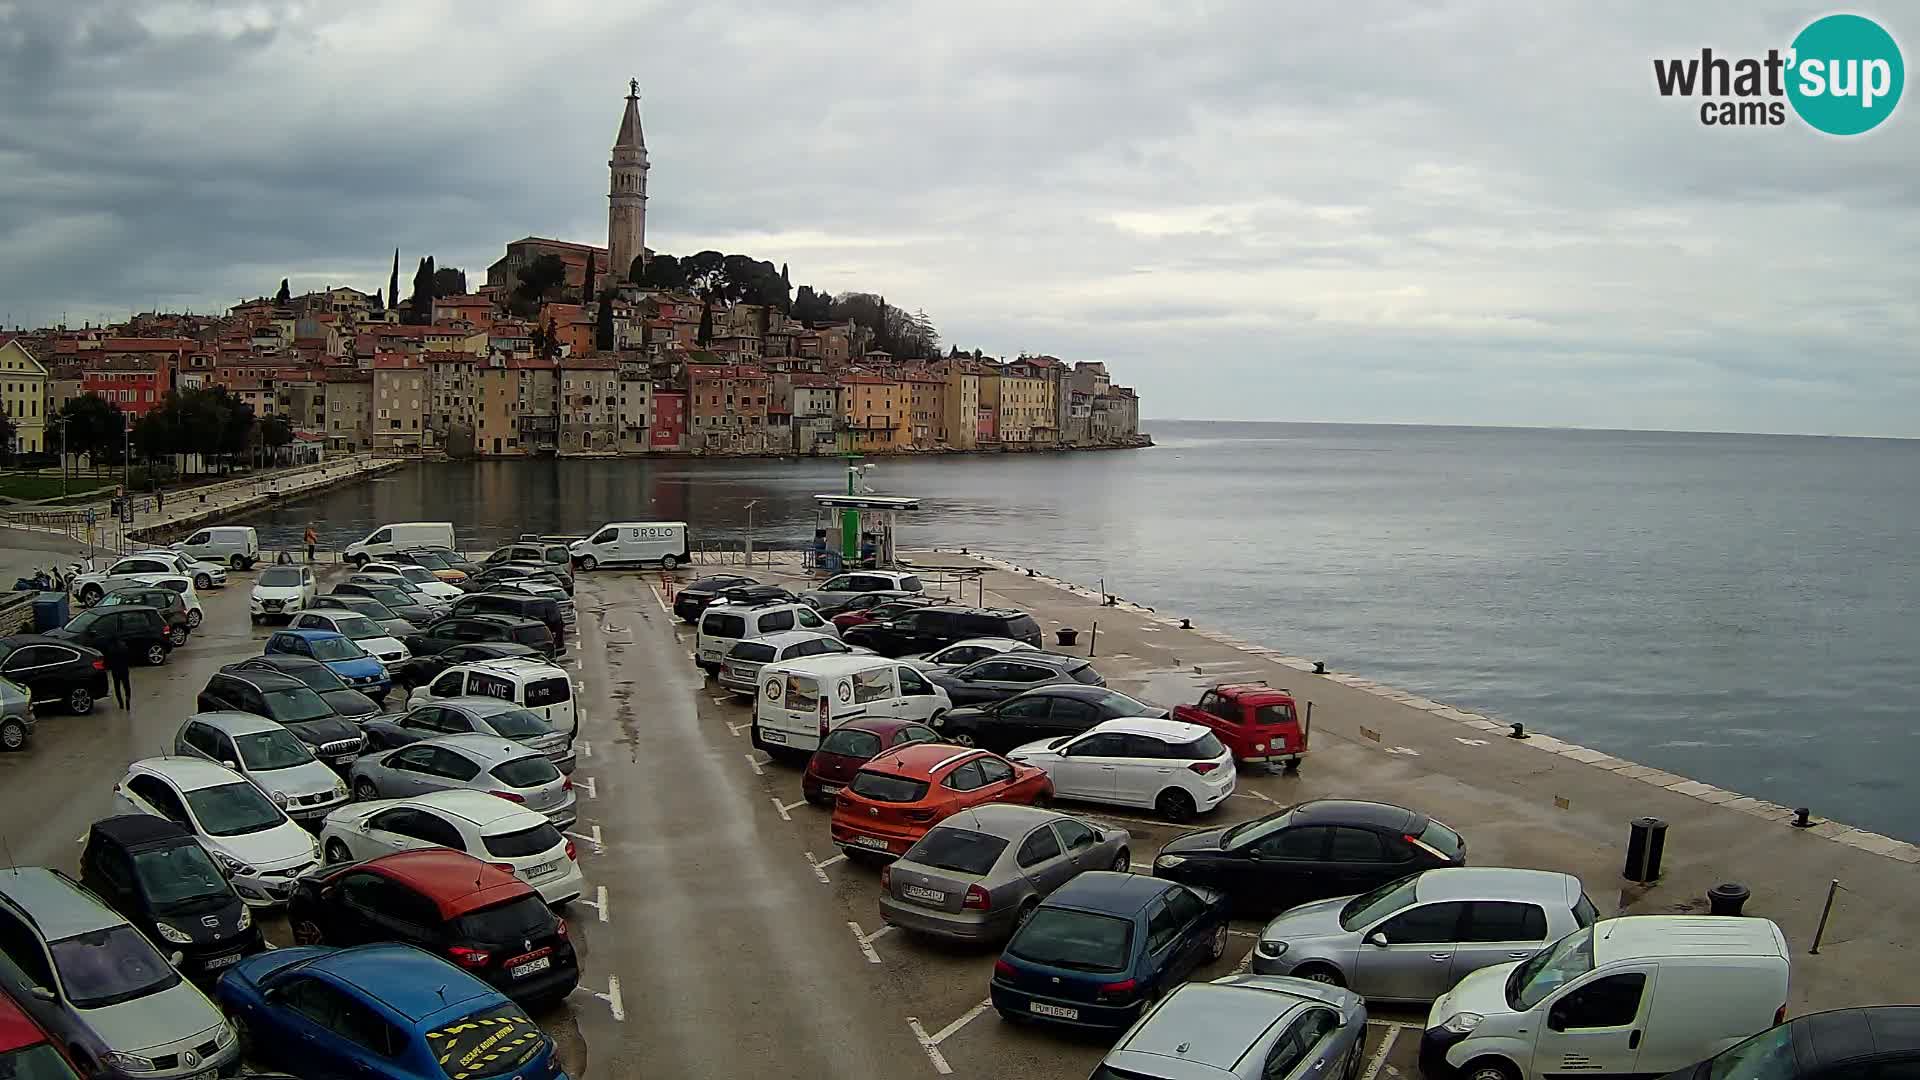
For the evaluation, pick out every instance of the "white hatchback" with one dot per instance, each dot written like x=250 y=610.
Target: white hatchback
x=283 y=590
x=365 y=632
x=252 y=839
x=429 y=582
x=484 y=826
x=1177 y=768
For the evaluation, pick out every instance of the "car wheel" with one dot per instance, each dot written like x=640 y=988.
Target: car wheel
x=80 y=701
x=588 y=562
x=306 y=932
x=1123 y=862
x=202 y=581
x=238 y=562
x=1219 y=947
x=193 y=619
x=668 y=562
x=156 y=654
x=13 y=734
x=1026 y=912
x=962 y=739
x=1320 y=973
x=337 y=852
x=1491 y=1069
x=178 y=635
x=1175 y=805
x=91 y=595
x=358 y=561
x=363 y=790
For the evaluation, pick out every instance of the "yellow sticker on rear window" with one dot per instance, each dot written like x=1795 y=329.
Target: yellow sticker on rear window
x=486 y=1044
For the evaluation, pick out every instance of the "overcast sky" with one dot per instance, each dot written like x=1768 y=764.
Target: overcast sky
x=1377 y=210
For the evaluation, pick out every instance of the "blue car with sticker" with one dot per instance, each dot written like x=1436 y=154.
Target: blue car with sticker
x=343 y=656
x=380 y=1012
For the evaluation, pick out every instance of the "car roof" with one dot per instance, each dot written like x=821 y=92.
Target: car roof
x=1497 y=883
x=1173 y=731
x=879 y=725
x=188 y=773
x=498 y=618
x=234 y=722
x=980 y=612
x=140 y=830
x=1046 y=659
x=1078 y=691
x=922 y=760
x=479 y=704
x=832 y=664
x=1355 y=812
x=1252 y=690
x=1212 y=1025
x=1009 y=821
x=17 y=1029
x=1828 y=1038
x=502 y=594
x=455 y=881
x=491 y=748
x=780 y=639
x=265 y=680
x=409 y=981
x=1632 y=937
x=58 y=907
x=310 y=634
x=478 y=807
x=1004 y=644
x=1107 y=892
x=333 y=612
x=525 y=667
x=17 y=640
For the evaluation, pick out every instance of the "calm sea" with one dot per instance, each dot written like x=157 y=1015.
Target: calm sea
x=1740 y=609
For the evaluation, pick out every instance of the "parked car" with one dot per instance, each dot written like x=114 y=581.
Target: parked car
x=89 y=977
x=400 y=536
x=846 y=748
x=924 y=629
x=1643 y=994
x=547 y=552
x=142 y=631
x=490 y=829
x=359 y=668
x=402 y=604
x=275 y=759
x=206 y=573
x=1052 y=711
x=16 y=716
x=435 y=606
x=156 y=874
x=519 y=606
x=171 y=606
x=254 y=841
x=55 y=671
x=27 y=1051
x=740 y=671
x=529 y=682
x=751 y=595
x=461 y=629
x=633 y=543
x=236 y=545
x=506 y=572
x=346 y=702
x=801 y=701
x=1177 y=769
x=141 y=569
x=723 y=624
x=422 y=669
x=860 y=602
x=1104 y=946
x=365 y=632
x=1003 y=676
x=879 y=614
x=1261 y=724
x=543 y=590
x=966 y=651
x=691 y=600
x=480 y=917
x=442 y=563
x=1247 y=1027
x=840 y=586
x=258 y=686
x=182 y=585
x=428 y=582
x=483 y=762
x=982 y=872
x=901 y=793
x=1310 y=851
x=280 y=591
x=1880 y=1041
x=1413 y=938
x=385 y=1012
x=389 y=620
x=474 y=716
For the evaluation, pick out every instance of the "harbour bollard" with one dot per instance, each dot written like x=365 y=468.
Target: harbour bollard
x=1065 y=636
x=1802 y=818
x=1727 y=898
x=1519 y=732
x=1646 y=842
x=1186 y=624
x=1319 y=667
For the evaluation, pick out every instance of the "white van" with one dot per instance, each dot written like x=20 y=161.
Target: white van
x=634 y=543
x=236 y=545
x=801 y=700
x=401 y=536
x=534 y=685
x=724 y=625
x=1644 y=994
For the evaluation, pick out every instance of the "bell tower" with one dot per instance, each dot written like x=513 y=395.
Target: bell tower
x=627 y=191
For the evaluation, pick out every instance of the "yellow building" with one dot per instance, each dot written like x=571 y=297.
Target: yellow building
x=1021 y=404
x=23 y=394
x=956 y=414
x=876 y=412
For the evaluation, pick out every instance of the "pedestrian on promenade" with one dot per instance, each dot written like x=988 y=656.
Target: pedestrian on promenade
x=311 y=539
x=159 y=502
x=119 y=665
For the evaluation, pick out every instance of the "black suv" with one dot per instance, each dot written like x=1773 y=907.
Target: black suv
x=345 y=701
x=520 y=605
x=141 y=630
x=514 y=571
x=290 y=703
x=55 y=672
x=926 y=629
x=461 y=629
x=156 y=874
x=171 y=605
x=689 y=602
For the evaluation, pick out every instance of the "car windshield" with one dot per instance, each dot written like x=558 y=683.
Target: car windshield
x=882 y=787
x=37 y=1062
x=471 y=1048
x=279 y=577
x=357 y=627
x=108 y=966
x=962 y=851
x=295 y=704
x=1257 y=828
x=1370 y=907
x=180 y=879
x=1121 y=705
x=518 y=845
x=388 y=596
x=429 y=559
x=318 y=676
x=264 y=751
x=1767 y=1056
x=233 y=810
x=417 y=574
x=336 y=648
x=530 y=771
x=518 y=724
x=851 y=742
x=85 y=620
x=1078 y=940
x=1561 y=963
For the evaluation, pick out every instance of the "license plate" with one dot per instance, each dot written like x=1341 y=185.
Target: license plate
x=543 y=869
x=1041 y=1008
x=830 y=789
x=773 y=736
x=222 y=961
x=931 y=896
x=871 y=841
x=210 y=1074
x=521 y=971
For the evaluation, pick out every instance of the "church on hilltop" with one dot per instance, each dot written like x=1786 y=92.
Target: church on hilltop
x=626 y=218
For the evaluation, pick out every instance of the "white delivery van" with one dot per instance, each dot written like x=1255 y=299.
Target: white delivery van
x=801 y=700
x=633 y=543
x=236 y=545
x=401 y=536
x=724 y=625
x=1643 y=994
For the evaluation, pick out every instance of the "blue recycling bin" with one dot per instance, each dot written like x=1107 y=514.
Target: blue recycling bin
x=49 y=611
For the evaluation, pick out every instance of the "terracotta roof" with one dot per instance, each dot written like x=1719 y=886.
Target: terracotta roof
x=588 y=363
x=804 y=380
x=147 y=344
x=392 y=361
x=444 y=356
x=868 y=380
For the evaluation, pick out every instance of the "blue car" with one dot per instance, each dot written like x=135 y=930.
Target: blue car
x=380 y=1012
x=1104 y=946
x=342 y=655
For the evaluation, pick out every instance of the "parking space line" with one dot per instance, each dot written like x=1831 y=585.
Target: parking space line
x=1245 y=963
x=784 y=807
x=599 y=903
x=661 y=599
x=586 y=748
x=1251 y=795
x=820 y=868
x=593 y=789
x=599 y=846
x=866 y=940
x=722 y=700
x=612 y=997
x=931 y=1043
x=756 y=763
x=734 y=729
x=1138 y=867
x=1394 y=1028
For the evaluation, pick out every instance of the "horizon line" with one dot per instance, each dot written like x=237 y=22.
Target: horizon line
x=1524 y=427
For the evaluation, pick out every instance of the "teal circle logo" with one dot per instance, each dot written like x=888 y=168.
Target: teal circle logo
x=1846 y=74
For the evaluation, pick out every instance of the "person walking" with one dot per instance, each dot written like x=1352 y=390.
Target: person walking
x=119 y=665
x=312 y=538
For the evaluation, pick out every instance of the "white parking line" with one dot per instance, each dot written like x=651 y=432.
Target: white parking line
x=722 y=700
x=593 y=789
x=866 y=940
x=1251 y=795
x=586 y=748
x=785 y=807
x=820 y=868
x=1379 y=1058
x=735 y=729
x=612 y=997
x=756 y=763
x=599 y=903
x=599 y=846
x=1245 y=963
x=931 y=1043
x=655 y=590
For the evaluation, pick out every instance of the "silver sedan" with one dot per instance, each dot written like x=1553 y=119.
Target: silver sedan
x=980 y=873
x=487 y=763
x=1246 y=1027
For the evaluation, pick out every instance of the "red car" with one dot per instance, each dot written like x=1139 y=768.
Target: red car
x=885 y=609
x=846 y=748
x=1261 y=724
x=26 y=1051
x=900 y=794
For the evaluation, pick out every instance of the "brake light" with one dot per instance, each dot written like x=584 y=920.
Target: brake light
x=566 y=783
x=503 y=867
x=886 y=876
x=1204 y=767
x=823 y=716
x=469 y=958
x=510 y=796
x=561 y=928
x=1001 y=967
x=977 y=899
x=1780 y=1016
x=99 y=665
x=1119 y=990
x=572 y=855
x=917 y=815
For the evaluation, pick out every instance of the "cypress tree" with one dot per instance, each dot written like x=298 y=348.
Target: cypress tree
x=393 y=283
x=586 y=290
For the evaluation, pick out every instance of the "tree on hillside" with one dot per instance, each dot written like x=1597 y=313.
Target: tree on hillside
x=603 y=338
x=706 y=323
x=284 y=296
x=812 y=306
x=906 y=336
x=7 y=431
x=659 y=272
x=551 y=349
x=379 y=301
x=393 y=282
x=538 y=279
x=420 y=305
x=448 y=281
x=586 y=287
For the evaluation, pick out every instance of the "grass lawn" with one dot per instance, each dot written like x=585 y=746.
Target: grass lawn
x=47 y=486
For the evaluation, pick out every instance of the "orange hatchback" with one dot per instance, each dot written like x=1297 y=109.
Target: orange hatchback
x=900 y=794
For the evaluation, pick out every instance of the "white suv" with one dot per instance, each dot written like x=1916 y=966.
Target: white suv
x=1177 y=768
x=723 y=624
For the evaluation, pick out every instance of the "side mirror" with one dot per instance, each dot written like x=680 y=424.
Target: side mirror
x=43 y=993
x=1378 y=938
x=230 y=765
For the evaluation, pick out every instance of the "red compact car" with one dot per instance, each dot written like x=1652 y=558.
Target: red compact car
x=877 y=612
x=26 y=1051
x=846 y=748
x=895 y=798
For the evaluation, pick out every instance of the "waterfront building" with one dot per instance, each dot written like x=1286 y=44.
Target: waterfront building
x=589 y=404
x=23 y=394
x=636 y=405
x=815 y=401
x=924 y=391
x=956 y=411
x=134 y=381
x=400 y=402
x=875 y=411
x=727 y=407
x=1026 y=403
x=349 y=404
x=667 y=426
